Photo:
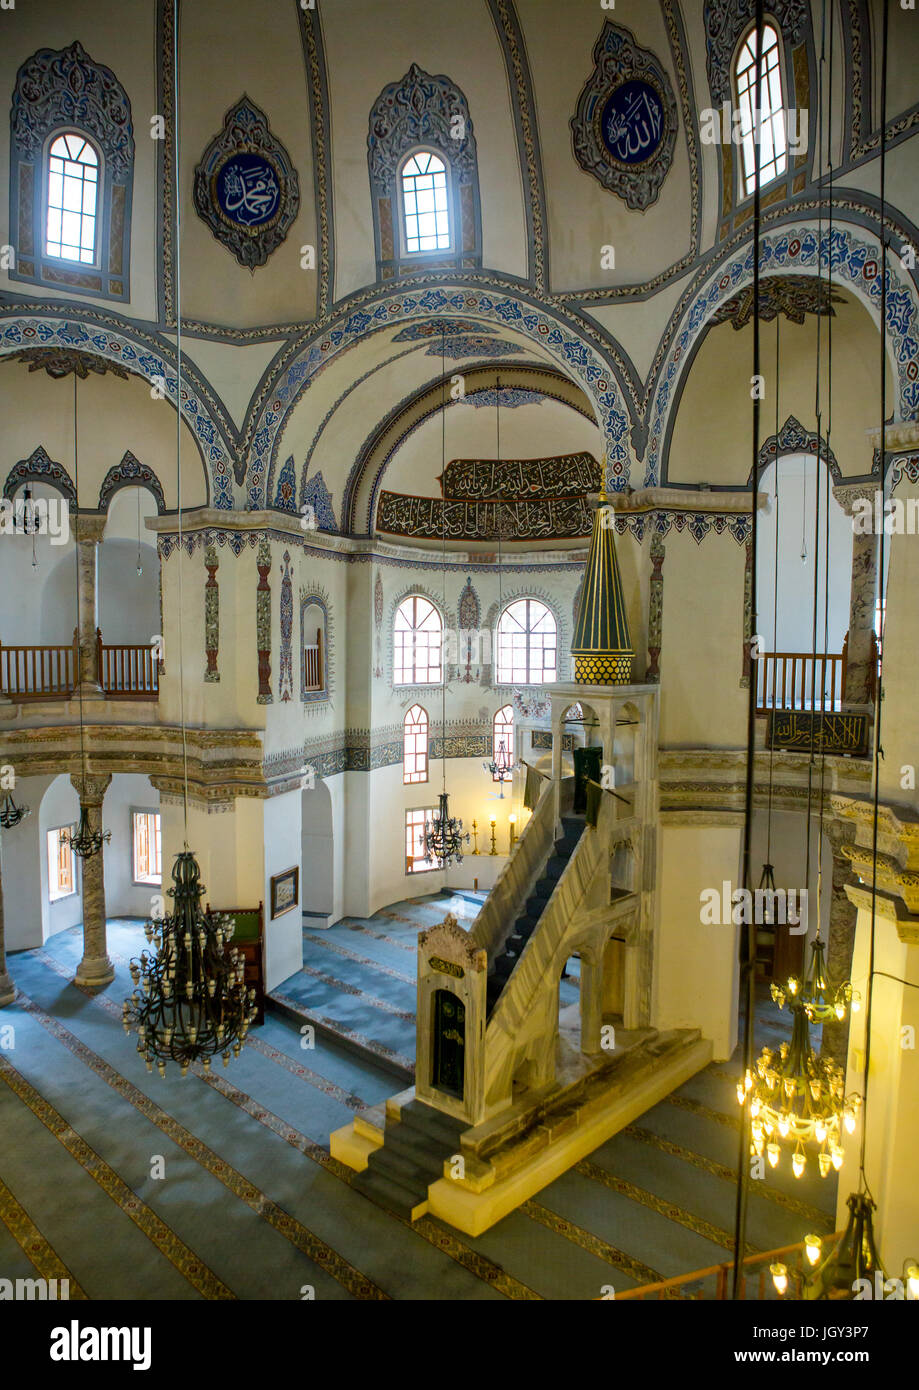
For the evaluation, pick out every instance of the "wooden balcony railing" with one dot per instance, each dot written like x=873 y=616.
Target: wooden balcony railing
x=716 y=1282
x=800 y=680
x=38 y=673
x=127 y=671
x=312 y=663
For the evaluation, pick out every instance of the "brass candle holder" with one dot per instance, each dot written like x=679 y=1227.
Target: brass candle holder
x=512 y=821
x=494 y=844
x=475 y=837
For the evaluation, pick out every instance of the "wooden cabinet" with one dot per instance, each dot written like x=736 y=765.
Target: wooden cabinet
x=249 y=938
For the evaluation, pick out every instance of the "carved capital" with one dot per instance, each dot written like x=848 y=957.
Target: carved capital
x=91 y=786
x=847 y=494
x=89 y=526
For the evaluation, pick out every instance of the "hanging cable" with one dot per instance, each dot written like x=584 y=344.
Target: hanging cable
x=178 y=311
x=876 y=769
x=748 y=930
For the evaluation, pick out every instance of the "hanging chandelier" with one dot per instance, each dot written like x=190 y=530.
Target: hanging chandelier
x=854 y=1257
x=11 y=814
x=190 y=1000
x=444 y=836
x=822 y=1000
x=85 y=841
x=500 y=767
x=797 y=1096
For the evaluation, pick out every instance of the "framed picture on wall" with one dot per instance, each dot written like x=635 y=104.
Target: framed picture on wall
x=285 y=891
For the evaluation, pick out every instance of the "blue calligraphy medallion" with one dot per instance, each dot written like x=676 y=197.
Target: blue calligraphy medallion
x=247 y=189
x=632 y=122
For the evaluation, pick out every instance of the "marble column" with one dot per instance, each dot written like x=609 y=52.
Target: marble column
x=88 y=533
x=860 y=650
x=840 y=937
x=95 y=969
x=7 y=988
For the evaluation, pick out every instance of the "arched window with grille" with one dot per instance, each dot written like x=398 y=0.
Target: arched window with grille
x=426 y=212
x=417 y=643
x=71 y=175
x=71 y=198
x=415 y=745
x=502 y=739
x=771 y=150
x=527 y=644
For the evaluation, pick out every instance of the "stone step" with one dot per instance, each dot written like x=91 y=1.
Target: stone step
x=441 y=1129
x=388 y=1193
x=398 y=1167
x=555 y=868
x=411 y=1147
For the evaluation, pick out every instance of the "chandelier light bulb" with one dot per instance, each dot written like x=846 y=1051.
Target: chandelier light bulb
x=824 y=1163
x=772 y=1153
x=912 y=1280
x=798 y=1162
x=779 y=1274
x=812 y=1247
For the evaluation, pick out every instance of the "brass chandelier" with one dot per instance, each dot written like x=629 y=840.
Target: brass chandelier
x=822 y=1001
x=190 y=999
x=797 y=1096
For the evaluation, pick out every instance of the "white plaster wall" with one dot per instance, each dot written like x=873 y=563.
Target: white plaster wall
x=59 y=806
x=25 y=863
x=284 y=934
x=695 y=965
x=799 y=476
x=127 y=792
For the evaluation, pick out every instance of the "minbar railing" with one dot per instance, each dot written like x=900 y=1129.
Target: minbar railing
x=127 y=671
x=716 y=1283
x=800 y=680
x=312 y=663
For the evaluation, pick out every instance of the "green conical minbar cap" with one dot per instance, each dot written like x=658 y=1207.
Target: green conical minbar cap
x=602 y=649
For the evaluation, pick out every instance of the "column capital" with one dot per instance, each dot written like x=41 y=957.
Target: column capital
x=847 y=494
x=899 y=436
x=89 y=526
x=91 y=786
x=839 y=833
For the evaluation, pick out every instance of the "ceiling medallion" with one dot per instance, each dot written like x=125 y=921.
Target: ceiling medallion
x=624 y=128
x=795 y=296
x=60 y=362
x=246 y=188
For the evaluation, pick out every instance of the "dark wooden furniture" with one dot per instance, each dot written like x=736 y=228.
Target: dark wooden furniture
x=249 y=938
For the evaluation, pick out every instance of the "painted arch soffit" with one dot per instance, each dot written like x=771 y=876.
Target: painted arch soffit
x=789 y=250
x=28 y=326
x=556 y=335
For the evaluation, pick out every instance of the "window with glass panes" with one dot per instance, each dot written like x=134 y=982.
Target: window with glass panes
x=147 y=842
x=527 y=644
x=415 y=745
x=773 y=159
x=414 y=840
x=61 y=870
x=424 y=203
x=503 y=737
x=73 y=188
x=417 y=643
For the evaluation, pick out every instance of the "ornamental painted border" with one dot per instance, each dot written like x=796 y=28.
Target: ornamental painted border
x=536 y=322
x=855 y=265
x=144 y=362
x=246 y=130
x=618 y=59
x=130 y=472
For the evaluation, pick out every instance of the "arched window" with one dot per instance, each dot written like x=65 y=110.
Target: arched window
x=417 y=643
x=502 y=741
x=72 y=199
x=415 y=745
x=527 y=644
x=772 y=157
x=71 y=175
x=425 y=203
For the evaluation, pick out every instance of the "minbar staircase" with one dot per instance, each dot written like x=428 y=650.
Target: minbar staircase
x=504 y=963
x=401 y=1170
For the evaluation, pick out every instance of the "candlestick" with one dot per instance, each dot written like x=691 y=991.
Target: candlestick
x=494 y=846
x=513 y=827
x=475 y=837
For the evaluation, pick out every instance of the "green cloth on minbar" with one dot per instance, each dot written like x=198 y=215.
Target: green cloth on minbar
x=594 y=793
x=531 y=790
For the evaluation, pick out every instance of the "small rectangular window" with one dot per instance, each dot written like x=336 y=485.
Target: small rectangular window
x=414 y=841
x=147 y=846
x=62 y=881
